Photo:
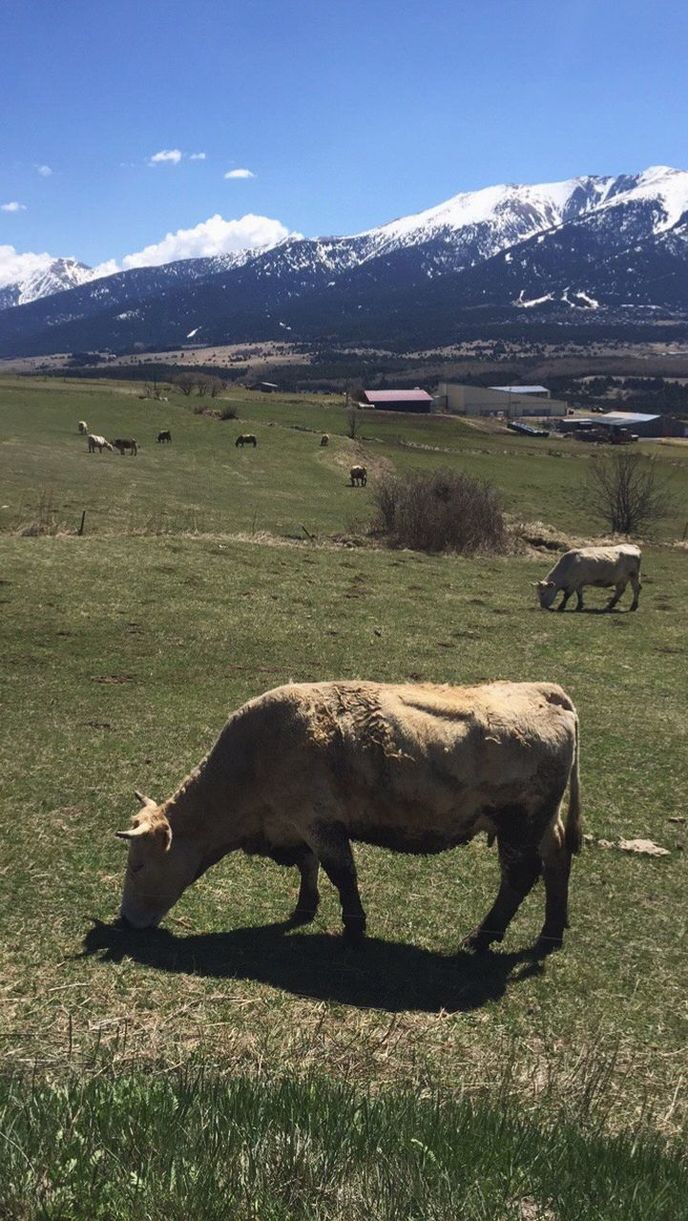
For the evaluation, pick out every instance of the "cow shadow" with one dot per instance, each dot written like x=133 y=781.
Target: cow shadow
x=380 y=974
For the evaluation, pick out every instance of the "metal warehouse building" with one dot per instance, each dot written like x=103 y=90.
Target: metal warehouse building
x=460 y=399
x=635 y=421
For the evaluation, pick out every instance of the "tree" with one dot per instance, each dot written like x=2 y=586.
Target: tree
x=623 y=490
x=184 y=382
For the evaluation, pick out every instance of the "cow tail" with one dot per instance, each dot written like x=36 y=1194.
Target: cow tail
x=574 y=829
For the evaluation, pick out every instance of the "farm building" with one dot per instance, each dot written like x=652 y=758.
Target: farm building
x=398 y=400
x=642 y=424
x=460 y=399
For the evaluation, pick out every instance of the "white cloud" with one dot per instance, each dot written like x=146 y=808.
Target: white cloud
x=13 y=206
x=170 y=156
x=213 y=236
x=196 y=156
x=15 y=266
x=239 y=174
x=44 y=171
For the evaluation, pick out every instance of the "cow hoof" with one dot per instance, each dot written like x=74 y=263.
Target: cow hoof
x=478 y=942
x=354 y=935
x=547 y=945
x=303 y=915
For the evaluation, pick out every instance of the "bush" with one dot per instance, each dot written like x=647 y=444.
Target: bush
x=228 y=413
x=439 y=511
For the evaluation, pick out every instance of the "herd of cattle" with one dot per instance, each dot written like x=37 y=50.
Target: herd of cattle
x=358 y=475
x=302 y=772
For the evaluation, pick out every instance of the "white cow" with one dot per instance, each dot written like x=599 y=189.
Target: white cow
x=96 y=442
x=82 y=426
x=302 y=771
x=602 y=566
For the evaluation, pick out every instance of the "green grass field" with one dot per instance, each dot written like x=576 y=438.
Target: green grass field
x=125 y=650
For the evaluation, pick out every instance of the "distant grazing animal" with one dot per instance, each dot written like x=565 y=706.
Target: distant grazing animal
x=325 y=439
x=126 y=443
x=601 y=566
x=246 y=438
x=359 y=476
x=303 y=770
x=83 y=426
x=165 y=435
x=96 y=442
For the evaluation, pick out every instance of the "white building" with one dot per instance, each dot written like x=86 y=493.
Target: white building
x=511 y=401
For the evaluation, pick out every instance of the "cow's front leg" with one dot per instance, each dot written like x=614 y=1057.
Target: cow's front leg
x=520 y=866
x=579 y=595
x=309 y=898
x=331 y=843
x=567 y=595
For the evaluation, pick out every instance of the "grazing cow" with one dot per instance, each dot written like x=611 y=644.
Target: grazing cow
x=601 y=566
x=165 y=436
x=82 y=426
x=358 y=476
x=325 y=439
x=126 y=443
x=96 y=442
x=301 y=771
x=246 y=438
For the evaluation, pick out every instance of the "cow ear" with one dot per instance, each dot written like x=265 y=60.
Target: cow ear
x=145 y=801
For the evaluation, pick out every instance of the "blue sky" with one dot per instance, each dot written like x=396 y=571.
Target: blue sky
x=347 y=113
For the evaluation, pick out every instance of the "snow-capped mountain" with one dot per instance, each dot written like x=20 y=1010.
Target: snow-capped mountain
x=46 y=277
x=522 y=252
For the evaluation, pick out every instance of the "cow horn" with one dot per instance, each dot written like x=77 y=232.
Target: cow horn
x=133 y=832
x=145 y=801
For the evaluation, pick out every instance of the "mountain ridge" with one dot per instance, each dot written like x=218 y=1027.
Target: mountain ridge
x=587 y=244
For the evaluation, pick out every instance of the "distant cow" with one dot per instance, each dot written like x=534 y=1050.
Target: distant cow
x=246 y=438
x=302 y=771
x=358 y=476
x=96 y=442
x=602 y=566
x=325 y=439
x=126 y=443
x=82 y=426
x=165 y=435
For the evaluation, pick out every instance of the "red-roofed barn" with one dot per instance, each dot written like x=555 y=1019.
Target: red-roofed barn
x=397 y=400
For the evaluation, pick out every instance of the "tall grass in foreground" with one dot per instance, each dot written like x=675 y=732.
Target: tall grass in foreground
x=194 y=1145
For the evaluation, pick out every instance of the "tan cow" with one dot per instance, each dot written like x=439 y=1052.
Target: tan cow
x=300 y=772
x=96 y=442
x=602 y=566
x=358 y=476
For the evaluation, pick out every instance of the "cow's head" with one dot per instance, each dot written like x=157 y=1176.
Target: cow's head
x=546 y=592
x=160 y=866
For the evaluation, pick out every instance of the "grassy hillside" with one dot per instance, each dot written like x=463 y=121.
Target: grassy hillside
x=123 y=653
x=203 y=482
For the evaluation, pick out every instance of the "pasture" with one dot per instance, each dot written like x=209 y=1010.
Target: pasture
x=123 y=652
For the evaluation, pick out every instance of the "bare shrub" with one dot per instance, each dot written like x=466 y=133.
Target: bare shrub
x=439 y=511
x=228 y=413
x=624 y=491
x=45 y=521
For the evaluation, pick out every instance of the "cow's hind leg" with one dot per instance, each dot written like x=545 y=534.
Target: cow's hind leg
x=309 y=898
x=520 y=864
x=636 y=587
x=556 y=867
x=331 y=843
x=618 y=590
